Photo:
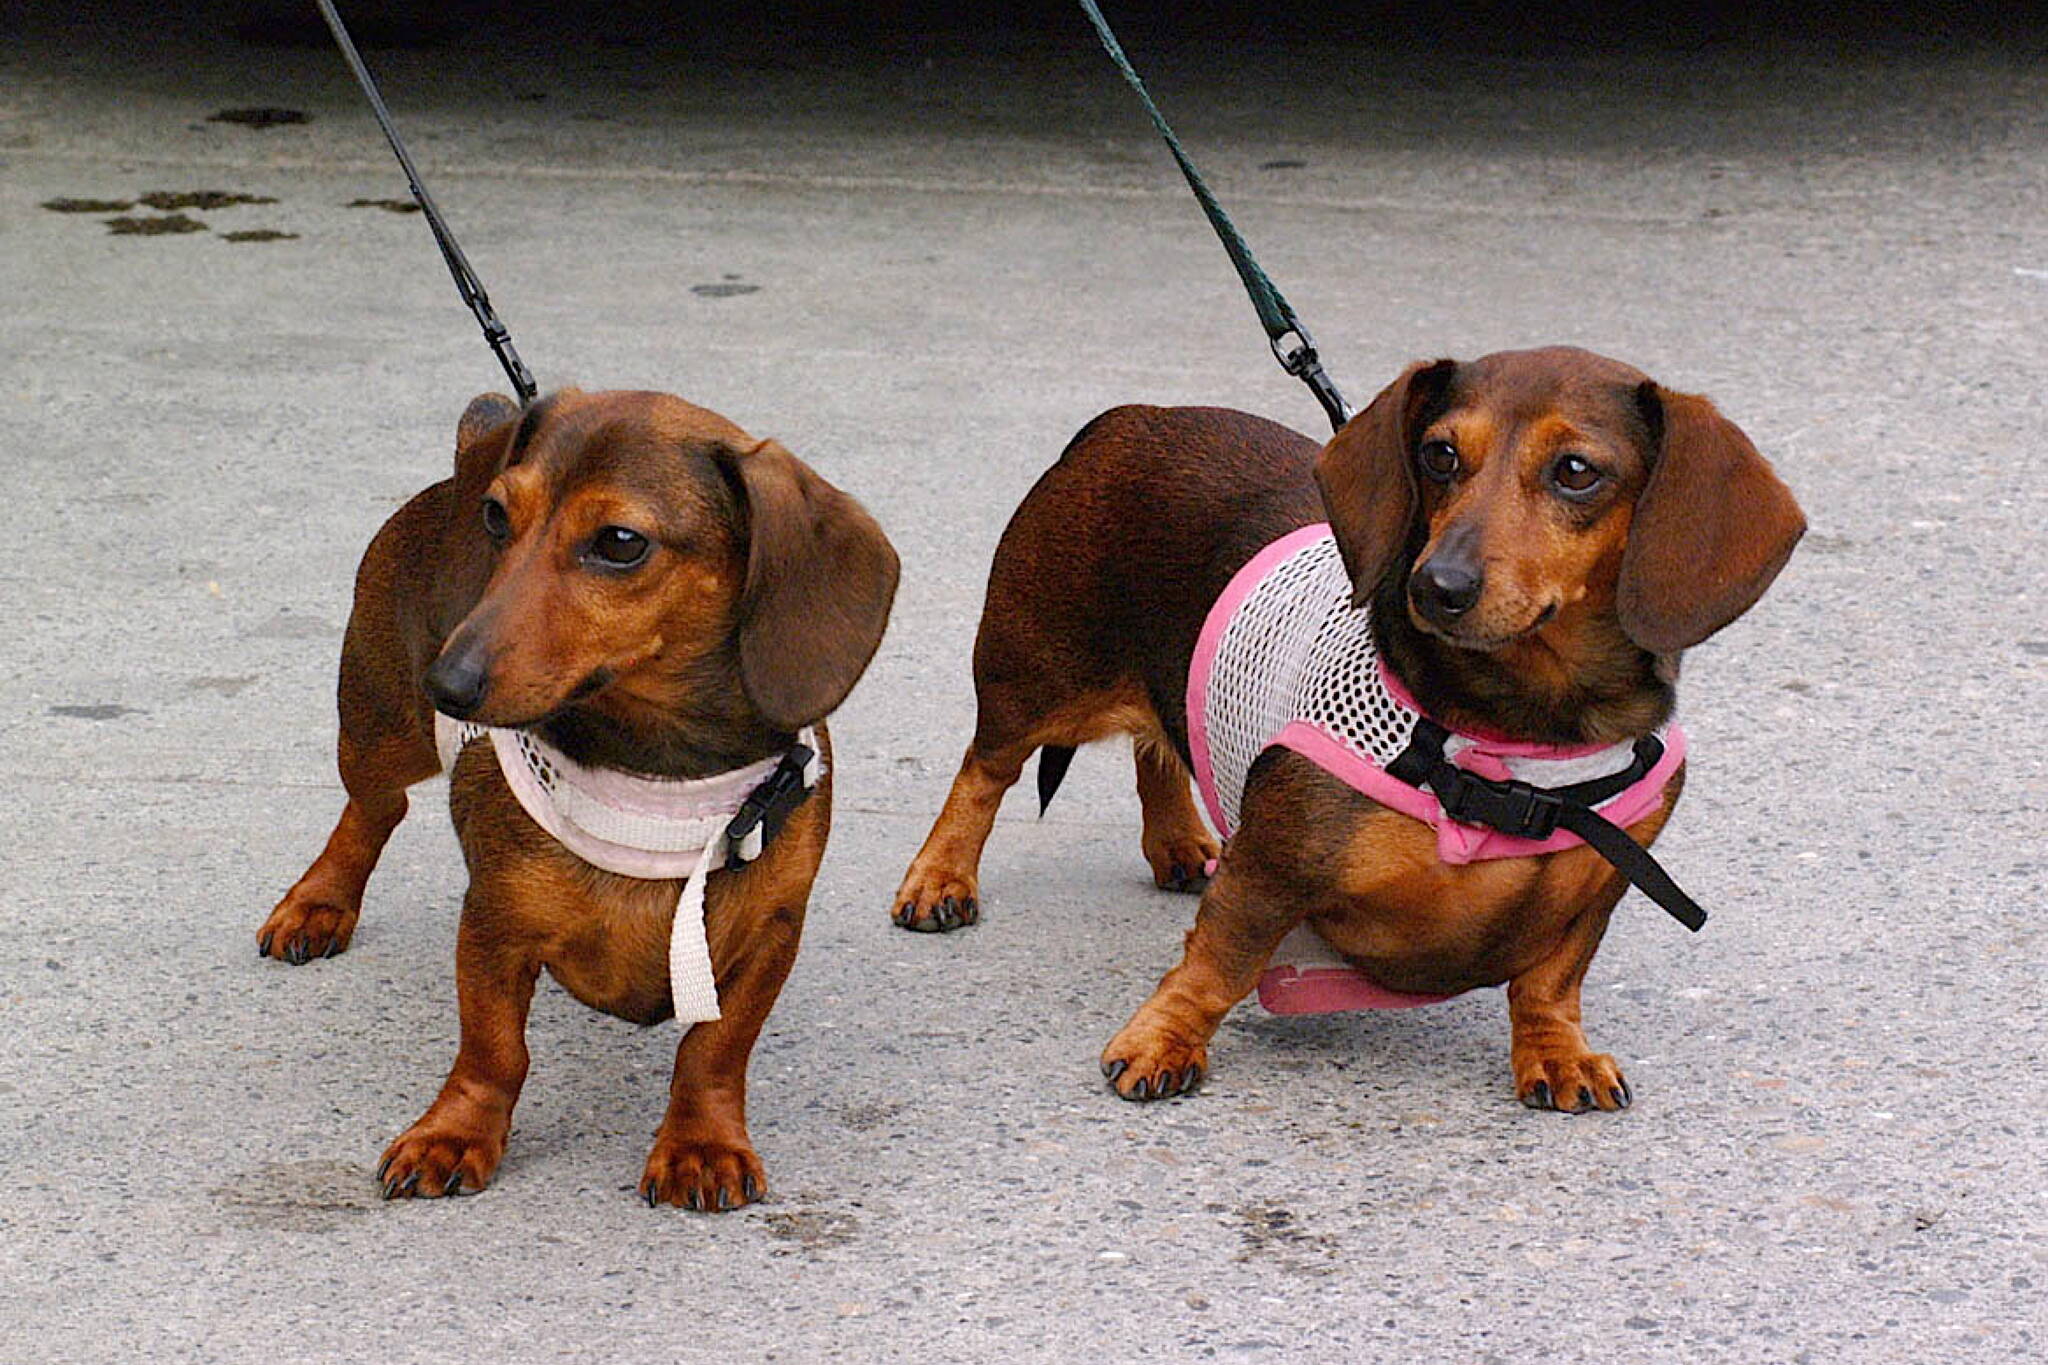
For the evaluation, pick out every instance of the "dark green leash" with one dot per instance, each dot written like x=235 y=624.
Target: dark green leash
x=1292 y=345
x=467 y=284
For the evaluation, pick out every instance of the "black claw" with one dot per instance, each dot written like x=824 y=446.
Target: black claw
x=1585 y=1100
x=1623 y=1096
x=1191 y=1077
x=453 y=1187
x=391 y=1188
x=1539 y=1098
x=1176 y=877
x=1115 y=1069
x=949 y=912
x=647 y=1193
x=970 y=911
x=263 y=946
x=1142 y=1090
x=298 y=953
x=724 y=1199
x=692 y=1202
x=751 y=1188
x=333 y=946
x=411 y=1187
x=384 y=1166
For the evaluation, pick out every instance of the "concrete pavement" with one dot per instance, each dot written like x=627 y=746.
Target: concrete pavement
x=922 y=262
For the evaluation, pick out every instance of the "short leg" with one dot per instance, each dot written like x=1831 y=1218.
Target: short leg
x=1178 y=845
x=1554 y=1067
x=702 y=1157
x=457 y=1144
x=941 y=889
x=1164 y=1049
x=317 y=917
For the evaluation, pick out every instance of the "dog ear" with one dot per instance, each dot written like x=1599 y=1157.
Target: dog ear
x=1367 y=474
x=486 y=413
x=820 y=580
x=1711 y=528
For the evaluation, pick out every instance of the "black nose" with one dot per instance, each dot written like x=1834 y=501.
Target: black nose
x=1445 y=589
x=457 y=681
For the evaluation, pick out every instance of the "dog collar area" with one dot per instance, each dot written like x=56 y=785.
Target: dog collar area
x=652 y=828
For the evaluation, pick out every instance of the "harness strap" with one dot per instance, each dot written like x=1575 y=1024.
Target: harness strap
x=496 y=335
x=1292 y=345
x=1524 y=810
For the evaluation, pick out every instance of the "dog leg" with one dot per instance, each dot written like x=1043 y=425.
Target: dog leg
x=941 y=889
x=1178 y=845
x=456 y=1145
x=1554 y=1068
x=702 y=1157
x=1164 y=1049
x=317 y=917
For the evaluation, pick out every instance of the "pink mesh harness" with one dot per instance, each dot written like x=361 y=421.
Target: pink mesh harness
x=1285 y=660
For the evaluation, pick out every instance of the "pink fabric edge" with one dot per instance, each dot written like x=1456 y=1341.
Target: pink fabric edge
x=1320 y=748
x=1331 y=990
x=1211 y=640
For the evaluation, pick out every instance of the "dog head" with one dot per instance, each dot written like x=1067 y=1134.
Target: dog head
x=1554 y=486
x=645 y=553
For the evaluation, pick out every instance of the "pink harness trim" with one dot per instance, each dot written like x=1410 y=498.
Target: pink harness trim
x=1319 y=982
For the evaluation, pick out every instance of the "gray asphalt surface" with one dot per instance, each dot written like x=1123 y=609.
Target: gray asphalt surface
x=951 y=252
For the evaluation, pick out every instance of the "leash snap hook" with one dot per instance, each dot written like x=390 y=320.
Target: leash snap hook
x=1295 y=349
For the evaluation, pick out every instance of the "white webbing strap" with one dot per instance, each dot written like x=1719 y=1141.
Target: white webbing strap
x=690 y=981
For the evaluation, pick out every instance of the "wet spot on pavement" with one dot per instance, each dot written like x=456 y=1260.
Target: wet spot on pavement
x=388 y=205
x=168 y=200
x=261 y=118
x=97 y=711
x=167 y=225
x=88 y=205
x=260 y=235
x=299 y=1196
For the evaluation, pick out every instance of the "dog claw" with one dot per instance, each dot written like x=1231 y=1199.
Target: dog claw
x=724 y=1199
x=1623 y=1096
x=751 y=1188
x=1114 y=1069
x=1539 y=1096
x=452 y=1187
x=1585 y=1100
x=263 y=946
x=1191 y=1077
x=384 y=1166
x=333 y=948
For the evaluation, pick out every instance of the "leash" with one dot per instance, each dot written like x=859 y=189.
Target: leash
x=1291 y=343
x=1527 y=811
x=496 y=335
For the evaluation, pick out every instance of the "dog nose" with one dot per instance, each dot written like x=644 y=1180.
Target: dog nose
x=456 y=682
x=1444 y=590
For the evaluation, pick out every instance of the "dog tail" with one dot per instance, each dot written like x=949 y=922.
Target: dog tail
x=1052 y=770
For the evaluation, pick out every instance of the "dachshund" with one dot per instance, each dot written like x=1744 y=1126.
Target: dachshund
x=1526 y=542
x=636 y=589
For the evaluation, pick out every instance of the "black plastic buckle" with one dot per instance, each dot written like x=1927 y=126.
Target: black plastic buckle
x=1513 y=808
x=768 y=807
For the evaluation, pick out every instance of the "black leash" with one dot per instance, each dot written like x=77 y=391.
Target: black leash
x=466 y=282
x=1527 y=811
x=1292 y=345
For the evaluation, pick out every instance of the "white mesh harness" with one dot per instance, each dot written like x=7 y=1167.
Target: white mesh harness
x=654 y=829
x=1284 y=660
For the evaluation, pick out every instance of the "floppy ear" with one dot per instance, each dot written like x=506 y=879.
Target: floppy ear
x=1367 y=475
x=1710 y=531
x=486 y=413
x=820 y=579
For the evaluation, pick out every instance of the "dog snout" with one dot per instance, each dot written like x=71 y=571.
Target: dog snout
x=1443 y=588
x=457 y=680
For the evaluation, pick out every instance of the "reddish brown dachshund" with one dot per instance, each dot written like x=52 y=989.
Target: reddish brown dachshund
x=653 y=592
x=1537 y=536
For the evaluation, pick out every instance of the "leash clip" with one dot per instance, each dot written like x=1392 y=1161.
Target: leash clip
x=1513 y=808
x=768 y=807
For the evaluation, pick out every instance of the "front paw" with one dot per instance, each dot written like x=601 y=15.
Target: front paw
x=304 y=926
x=1185 y=863
x=935 y=902
x=1148 y=1063
x=704 y=1174
x=1571 y=1083
x=434 y=1161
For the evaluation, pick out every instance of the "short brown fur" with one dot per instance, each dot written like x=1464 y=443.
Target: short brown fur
x=762 y=595
x=1106 y=572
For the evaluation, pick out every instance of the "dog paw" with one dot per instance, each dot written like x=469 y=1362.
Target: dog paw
x=707 y=1176
x=432 y=1163
x=303 y=927
x=1572 y=1084
x=1154 y=1066
x=1184 y=865
x=935 y=904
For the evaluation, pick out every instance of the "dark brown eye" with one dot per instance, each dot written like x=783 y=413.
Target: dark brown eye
x=497 y=524
x=1575 y=474
x=1439 y=460
x=618 y=548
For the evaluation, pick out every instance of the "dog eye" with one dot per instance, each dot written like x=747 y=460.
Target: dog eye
x=497 y=523
x=1439 y=460
x=618 y=547
x=1575 y=474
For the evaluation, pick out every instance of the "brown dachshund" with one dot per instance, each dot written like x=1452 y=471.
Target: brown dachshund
x=1536 y=536
x=652 y=592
